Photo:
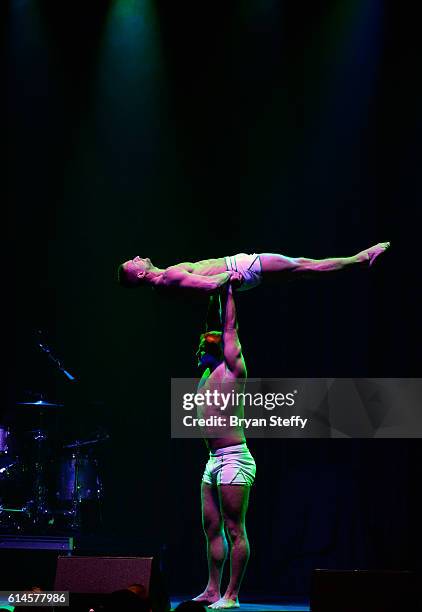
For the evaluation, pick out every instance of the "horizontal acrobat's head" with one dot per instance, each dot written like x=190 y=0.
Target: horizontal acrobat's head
x=133 y=272
x=210 y=350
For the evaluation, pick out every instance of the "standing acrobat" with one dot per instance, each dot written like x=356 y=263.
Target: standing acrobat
x=230 y=470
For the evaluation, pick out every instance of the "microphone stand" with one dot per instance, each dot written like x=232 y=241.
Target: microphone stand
x=55 y=360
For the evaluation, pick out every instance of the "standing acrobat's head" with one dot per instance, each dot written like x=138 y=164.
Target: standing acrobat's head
x=132 y=273
x=210 y=350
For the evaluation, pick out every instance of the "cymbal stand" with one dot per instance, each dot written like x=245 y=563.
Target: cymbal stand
x=76 y=497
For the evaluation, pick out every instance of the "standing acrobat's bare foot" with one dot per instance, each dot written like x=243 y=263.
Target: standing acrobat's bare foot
x=225 y=603
x=208 y=597
x=369 y=255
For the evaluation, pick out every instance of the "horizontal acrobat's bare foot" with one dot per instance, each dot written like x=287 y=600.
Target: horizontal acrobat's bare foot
x=225 y=604
x=370 y=255
x=207 y=597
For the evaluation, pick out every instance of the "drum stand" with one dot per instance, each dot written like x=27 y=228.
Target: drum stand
x=41 y=510
x=37 y=507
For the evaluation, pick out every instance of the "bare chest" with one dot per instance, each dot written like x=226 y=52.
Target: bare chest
x=209 y=267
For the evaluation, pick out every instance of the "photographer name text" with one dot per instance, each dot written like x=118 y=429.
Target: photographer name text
x=235 y=421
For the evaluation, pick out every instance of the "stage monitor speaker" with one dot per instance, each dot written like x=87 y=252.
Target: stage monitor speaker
x=364 y=591
x=104 y=575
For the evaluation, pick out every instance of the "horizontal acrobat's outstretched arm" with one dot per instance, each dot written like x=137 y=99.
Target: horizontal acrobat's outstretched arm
x=179 y=278
x=214 y=320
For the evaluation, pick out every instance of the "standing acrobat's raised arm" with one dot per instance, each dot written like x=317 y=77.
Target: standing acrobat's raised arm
x=232 y=348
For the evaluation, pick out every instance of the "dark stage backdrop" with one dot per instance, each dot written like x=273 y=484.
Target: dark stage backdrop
x=182 y=131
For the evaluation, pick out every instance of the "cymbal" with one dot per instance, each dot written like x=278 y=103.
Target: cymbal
x=78 y=443
x=40 y=403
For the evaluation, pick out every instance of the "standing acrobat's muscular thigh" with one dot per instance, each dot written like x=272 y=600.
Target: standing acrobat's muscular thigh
x=234 y=501
x=212 y=521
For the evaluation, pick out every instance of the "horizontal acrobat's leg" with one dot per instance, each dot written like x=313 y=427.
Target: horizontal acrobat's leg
x=274 y=263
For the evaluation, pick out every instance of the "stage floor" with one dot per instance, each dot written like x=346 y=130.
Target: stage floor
x=283 y=604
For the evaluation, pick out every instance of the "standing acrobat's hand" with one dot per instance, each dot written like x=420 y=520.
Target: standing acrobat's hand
x=236 y=279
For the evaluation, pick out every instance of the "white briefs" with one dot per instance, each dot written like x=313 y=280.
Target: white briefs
x=249 y=267
x=230 y=465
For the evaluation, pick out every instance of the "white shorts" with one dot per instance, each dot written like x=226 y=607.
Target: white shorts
x=230 y=465
x=249 y=267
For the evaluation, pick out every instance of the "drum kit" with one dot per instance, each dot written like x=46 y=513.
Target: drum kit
x=44 y=483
